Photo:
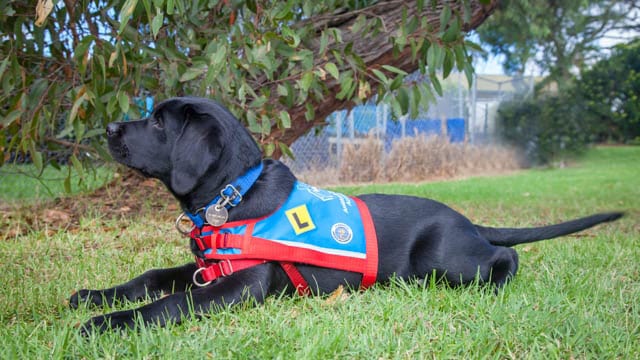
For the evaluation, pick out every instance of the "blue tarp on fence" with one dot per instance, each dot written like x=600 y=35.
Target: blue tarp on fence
x=365 y=120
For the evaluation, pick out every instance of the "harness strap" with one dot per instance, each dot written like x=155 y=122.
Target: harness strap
x=212 y=271
x=296 y=278
x=370 y=273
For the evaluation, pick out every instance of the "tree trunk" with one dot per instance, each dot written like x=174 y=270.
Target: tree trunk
x=374 y=50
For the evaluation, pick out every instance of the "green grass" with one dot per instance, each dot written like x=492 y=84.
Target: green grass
x=575 y=297
x=20 y=183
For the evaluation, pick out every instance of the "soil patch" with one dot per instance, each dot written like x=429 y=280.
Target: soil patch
x=128 y=195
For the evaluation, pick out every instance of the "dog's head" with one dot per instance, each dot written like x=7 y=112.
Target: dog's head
x=185 y=143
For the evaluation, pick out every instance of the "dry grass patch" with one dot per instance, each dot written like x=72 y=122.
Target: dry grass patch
x=414 y=159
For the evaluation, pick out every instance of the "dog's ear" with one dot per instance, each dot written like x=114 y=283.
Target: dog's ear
x=195 y=151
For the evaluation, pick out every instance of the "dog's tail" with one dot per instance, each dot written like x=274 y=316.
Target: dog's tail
x=511 y=236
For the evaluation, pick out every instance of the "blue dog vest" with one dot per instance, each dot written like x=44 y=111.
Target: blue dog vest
x=313 y=226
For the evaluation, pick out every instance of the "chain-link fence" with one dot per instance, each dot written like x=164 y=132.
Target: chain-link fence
x=461 y=115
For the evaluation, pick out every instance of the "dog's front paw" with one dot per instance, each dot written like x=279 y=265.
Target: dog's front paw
x=116 y=321
x=89 y=297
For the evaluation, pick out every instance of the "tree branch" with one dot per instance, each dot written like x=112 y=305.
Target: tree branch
x=391 y=14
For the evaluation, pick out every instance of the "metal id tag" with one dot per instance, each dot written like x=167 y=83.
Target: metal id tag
x=216 y=215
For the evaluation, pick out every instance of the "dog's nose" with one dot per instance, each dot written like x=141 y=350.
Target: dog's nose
x=114 y=129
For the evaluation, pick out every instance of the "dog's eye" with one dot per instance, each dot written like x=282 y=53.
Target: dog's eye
x=157 y=122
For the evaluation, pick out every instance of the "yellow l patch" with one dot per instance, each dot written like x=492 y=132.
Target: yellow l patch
x=300 y=219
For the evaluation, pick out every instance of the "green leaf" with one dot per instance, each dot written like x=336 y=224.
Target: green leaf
x=448 y=63
x=156 y=23
x=125 y=13
x=310 y=114
x=332 y=69
x=286 y=150
x=436 y=84
x=147 y=7
x=36 y=158
x=380 y=75
x=460 y=58
x=282 y=90
x=10 y=118
x=192 y=73
x=94 y=132
x=358 y=24
x=266 y=125
x=103 y=152
x=396 y=83
x=415 y=103
x=76 y=106
x=123 y=101
x=82 y=48
x=445 y=16
x=467 y=11
x=453 y=32
x=468 y=71
x=431 y=58
x=67 y=182
x=473 y=46
x=3 y=66
x=251 y=5
x=395 y=107
x=394 y=69
x=287 y=32
x=324 y=41
x=252 y=122
x=77 y=166
x=403 y=100
x=285 y=119
x=269 y=148
x=284 y=12
x=306 y=81
x=346 y=87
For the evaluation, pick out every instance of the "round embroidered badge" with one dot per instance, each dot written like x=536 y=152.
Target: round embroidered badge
x=341 y=233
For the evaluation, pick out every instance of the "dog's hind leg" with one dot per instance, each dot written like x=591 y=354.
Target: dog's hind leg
x=152 y=283
x=495 y=267
x=462 y=256
x=503 y=265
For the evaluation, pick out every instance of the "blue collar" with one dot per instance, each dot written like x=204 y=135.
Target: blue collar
x=230 y=195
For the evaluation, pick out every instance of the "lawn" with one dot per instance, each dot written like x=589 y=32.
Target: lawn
x=575 y=297
x=21 y=182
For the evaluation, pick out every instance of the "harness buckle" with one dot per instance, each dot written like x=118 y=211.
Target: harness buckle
x=222 y=269
x=229 y=270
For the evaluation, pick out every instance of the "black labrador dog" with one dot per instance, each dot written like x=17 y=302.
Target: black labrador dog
x=195 y=147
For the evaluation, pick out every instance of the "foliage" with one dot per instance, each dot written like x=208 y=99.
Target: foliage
x=559 y=36
x=601 y=105
x=65 y=75
x=547 y=128
x=609 y=94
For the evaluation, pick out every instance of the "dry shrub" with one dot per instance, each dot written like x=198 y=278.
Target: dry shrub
x=322 y=175
x=362 y=162
x=413 y=159
x=490 y=159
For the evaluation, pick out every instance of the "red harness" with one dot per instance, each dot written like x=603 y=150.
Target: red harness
x=252 y=251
